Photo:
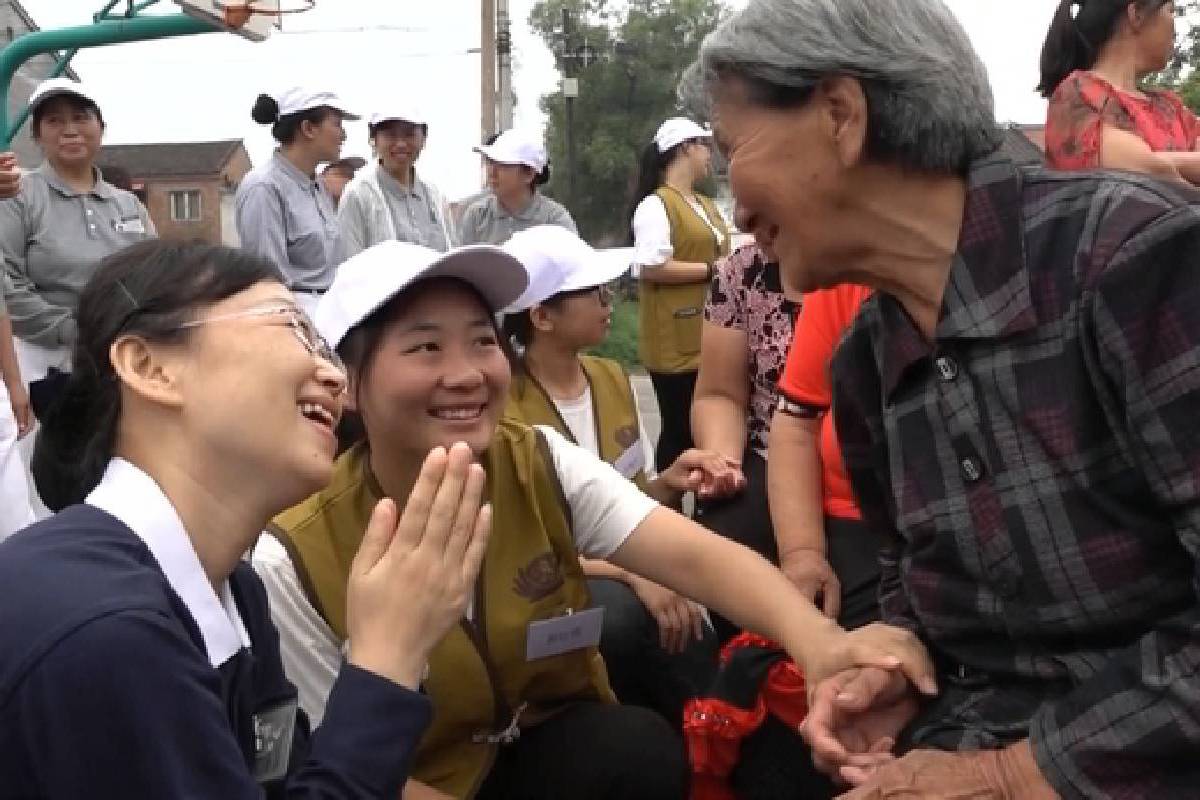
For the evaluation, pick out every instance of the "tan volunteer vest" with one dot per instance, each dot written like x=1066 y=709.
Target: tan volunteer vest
x=478 y=675
x=672 y=315
x=617 y=428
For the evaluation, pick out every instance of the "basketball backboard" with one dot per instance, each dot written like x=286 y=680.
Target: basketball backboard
x=231 y=15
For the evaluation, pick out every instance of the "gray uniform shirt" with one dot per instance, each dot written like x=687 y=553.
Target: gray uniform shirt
x=376 y=208
x=287 y=217
x=486 y=221
x=52 y=238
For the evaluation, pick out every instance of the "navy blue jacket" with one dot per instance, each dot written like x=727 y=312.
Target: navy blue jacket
x=106 y=690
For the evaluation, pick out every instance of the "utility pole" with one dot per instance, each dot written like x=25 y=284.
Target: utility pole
x=487 y=67
x=570 y=92
x=504 y=52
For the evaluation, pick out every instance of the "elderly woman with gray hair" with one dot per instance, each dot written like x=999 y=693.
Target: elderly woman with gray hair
x=1016 y=406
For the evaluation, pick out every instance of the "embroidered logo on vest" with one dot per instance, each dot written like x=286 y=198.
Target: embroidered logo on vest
x=538 y=579
x=626 y=436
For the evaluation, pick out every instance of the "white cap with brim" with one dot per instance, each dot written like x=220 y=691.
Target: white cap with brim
x=517 y=147
x=368 y=280
x=57 y=87
x=299 y=98
x=676 y=131
x=559 y=261
x=402 y=112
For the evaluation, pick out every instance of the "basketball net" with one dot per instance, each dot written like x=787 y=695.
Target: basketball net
x=237 y=14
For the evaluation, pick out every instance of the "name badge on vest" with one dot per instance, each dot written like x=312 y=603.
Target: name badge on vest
x=130 y=226
x=274 y=729
x=553 y=637
x=632 y=461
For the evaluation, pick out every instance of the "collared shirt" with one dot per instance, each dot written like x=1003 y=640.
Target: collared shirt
x=1037 y=466
x=487 y=222
x=52 y=238
x=130 y=495
x=376 y=208
x=287 y=217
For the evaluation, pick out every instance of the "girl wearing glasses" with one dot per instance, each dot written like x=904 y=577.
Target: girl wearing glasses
x=137 y=655
x=522 y=704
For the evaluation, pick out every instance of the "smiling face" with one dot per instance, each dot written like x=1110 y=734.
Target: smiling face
x=398 y=144
x=438 y=375
x=788 y=171
x=509 y=180
x=255 y=396
x=69 y=131
x=326 y=137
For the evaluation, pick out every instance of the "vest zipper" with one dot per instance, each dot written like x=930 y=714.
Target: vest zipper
x=476 y=632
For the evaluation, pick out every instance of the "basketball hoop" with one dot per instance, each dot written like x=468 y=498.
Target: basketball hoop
x=236 y=15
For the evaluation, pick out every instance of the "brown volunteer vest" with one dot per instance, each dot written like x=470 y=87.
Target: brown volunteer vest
x=615 y=413
x=672 y=315
x=478 y=675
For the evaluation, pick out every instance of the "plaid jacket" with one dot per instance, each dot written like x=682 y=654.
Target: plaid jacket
x=1037 y=469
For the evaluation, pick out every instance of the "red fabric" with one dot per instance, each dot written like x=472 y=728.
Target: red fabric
x=713 y=727
x=824 y=317
x=1084 y=103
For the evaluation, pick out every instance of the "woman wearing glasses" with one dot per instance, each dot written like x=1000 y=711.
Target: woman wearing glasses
x=137 y=655
x=658 y=647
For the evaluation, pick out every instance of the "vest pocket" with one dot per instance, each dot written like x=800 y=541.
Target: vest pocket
x=686 y=325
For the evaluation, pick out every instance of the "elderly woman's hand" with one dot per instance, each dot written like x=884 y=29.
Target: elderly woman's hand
x=707 y=473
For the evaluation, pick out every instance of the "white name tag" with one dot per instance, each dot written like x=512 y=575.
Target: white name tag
x=553 y=637
x=632 y=461
x=130 y=226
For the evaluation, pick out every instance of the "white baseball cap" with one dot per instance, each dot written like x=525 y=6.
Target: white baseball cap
x=559 y=261
x=56 y=87
x=517 y=147
x=368 y=280
x=301 y=98
x=404 y=111
x=676 y=131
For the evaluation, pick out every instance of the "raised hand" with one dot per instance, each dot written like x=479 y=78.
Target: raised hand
x=10 y=176
x=412 y=579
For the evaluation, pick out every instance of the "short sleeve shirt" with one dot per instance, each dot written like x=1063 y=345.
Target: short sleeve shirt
x=1084 y=103
x=747 y=295
x=822 y=323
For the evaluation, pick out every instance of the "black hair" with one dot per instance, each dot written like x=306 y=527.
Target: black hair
x=518 y=326
x=361 y=344
x=1074 y=44
x=286 y=128
x=76 y=102
x=148 y=289
x=651 y=166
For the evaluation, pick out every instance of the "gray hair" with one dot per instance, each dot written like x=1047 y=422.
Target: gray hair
x=929 y=102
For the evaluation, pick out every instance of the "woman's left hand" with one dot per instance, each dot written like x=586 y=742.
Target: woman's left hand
x=874 y=645
x=707 y=473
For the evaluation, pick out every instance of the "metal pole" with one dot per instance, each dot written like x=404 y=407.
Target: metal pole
x=570 y=109
x=487 y=66
x=99 y=34
x=504 y=52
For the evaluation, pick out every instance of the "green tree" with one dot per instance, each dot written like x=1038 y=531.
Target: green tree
x=636 y=52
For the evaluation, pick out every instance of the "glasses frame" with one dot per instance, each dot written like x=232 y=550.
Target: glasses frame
x=290 y=316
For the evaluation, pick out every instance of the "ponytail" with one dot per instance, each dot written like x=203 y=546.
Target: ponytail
x=1078 y=31
x=651 y=166
x=76 y=437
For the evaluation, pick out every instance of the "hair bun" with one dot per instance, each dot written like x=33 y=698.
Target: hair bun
x=266 y=110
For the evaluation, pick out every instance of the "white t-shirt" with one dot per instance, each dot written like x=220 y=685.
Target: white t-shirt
x=580 y=416
x=605 y=509
x=652 y=232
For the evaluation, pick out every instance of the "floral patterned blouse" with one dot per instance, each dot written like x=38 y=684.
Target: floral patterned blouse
x=747 y=294
x=1084 y=103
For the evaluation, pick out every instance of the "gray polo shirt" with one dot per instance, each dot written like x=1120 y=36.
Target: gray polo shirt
x=52 y=238
x=288 y=218
x=486 y=221
x=375 y=208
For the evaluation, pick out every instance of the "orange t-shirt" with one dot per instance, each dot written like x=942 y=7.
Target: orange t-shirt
x=824 y=317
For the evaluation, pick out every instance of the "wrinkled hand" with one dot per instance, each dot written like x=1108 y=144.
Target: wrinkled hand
x=411 y=579
x=1008 y=774
x=18 y=398
x=832 y=650
x=809 y=571
x=854 y=719
x=10 y=176
x=707 y=473
x=678 y=618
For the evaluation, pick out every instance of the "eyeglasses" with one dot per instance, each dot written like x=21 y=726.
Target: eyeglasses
x=604 y=293
x=303 y=327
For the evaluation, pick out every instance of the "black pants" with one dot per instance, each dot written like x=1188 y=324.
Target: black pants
x=775 y=763
x=746 y=519
x=592 y=751
x=640 y=671
x=674 y=392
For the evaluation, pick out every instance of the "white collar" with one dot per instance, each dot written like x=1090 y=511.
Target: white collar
x=132 y=496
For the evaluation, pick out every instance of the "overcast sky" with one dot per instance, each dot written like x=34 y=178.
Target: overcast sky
x=202 y=87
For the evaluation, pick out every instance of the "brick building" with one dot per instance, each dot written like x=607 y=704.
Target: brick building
x=188 y=187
